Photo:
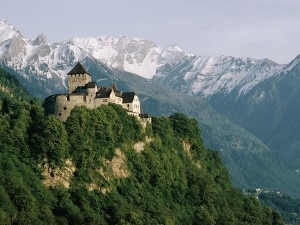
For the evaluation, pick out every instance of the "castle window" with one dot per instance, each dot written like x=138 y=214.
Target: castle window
x=59 y=114
x=128 y=105
x=68 y=98
x=65 y=108
x=84 y=98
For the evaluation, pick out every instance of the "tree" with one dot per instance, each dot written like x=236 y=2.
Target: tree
x=52 y=141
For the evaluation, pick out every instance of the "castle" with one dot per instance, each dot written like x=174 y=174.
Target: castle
x=82 y=91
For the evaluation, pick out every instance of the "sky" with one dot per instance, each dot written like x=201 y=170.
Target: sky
x=241 y=28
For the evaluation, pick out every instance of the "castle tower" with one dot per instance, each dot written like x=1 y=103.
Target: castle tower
x=78 y=77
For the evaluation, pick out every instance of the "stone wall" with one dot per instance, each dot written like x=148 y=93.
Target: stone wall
x=61 y=105
x=64 y=104
x=78 y=80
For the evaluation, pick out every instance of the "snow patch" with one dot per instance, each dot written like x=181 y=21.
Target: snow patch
x=193 y=74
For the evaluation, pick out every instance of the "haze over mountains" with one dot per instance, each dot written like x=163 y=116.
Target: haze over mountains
x=259 y=95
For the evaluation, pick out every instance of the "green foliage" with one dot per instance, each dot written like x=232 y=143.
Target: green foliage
x=239 y=149
x=24 y=200
x=174 y=179
x=10 y=87
x=50 y=141
x=288 y=207
x=185 y=127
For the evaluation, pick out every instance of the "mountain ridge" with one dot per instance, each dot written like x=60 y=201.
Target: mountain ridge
x=195 y=74
x=45 y=75
x=270 y=110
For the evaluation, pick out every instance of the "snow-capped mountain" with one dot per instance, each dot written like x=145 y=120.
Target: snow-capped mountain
x=186 y=72
x=133 y=55
x=207 y=76
x=42 y=68
x=270 y=110
x=36 y=57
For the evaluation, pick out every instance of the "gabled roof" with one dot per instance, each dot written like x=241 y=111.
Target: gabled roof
x=80 y=89
x=83 y=89
x=104 y=93
x=78 y=69
x=128 y=97
x=91 y=84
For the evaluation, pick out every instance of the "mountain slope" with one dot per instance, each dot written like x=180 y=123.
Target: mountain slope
x=273 y=109
x=186 y=72
x=219 y=133
x=207 y=76
x=11 y=88
x=251 y=164
x=79 y=173
x=42 y=68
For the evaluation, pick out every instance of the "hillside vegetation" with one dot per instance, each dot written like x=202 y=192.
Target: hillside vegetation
x=250 y=162
x=288 y=207
x=102 y=167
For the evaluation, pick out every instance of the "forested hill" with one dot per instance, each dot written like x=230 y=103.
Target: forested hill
x=102 y=167
x=10 y=87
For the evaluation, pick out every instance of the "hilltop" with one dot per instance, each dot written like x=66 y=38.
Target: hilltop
x=207 y=83
x=102 y=167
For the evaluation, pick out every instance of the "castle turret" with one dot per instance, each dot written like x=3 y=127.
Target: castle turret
x=78 y=77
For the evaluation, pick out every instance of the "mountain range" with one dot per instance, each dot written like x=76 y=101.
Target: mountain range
x=170 y=80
